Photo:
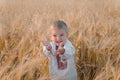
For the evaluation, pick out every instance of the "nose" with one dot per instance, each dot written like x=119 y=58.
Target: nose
x=58 y=38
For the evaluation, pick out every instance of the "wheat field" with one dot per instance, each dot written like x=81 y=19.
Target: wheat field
x=94 y=29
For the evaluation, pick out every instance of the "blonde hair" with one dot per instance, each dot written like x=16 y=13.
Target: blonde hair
x=60 y=25
x=57 y=24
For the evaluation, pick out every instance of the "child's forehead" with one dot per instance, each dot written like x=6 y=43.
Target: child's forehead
x=58 y=30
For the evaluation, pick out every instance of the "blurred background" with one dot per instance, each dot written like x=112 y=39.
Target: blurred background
x=94 y=29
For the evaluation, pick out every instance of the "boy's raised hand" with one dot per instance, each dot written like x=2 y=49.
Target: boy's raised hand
x=48 y=48
x=60 y=49
x=47 y=45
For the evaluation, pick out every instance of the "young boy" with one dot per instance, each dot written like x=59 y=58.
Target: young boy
x=60 y=53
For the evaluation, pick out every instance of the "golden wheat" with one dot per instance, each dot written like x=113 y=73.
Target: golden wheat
x=94 y=29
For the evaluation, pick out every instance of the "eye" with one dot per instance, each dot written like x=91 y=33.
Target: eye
x=61 y=34
x=54 y=35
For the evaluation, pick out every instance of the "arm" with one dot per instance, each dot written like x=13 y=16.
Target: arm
x=47 y=48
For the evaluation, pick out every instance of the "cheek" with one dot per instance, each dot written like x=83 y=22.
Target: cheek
x=64 y=38
x=53 y=38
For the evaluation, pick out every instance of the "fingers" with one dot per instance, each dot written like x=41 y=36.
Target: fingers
x=57 y=52
x=48 y=48
x=61 y=44
x=60 y=51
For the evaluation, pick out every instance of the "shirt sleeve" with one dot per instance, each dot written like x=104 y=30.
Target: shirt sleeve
x=46 y=52
x=69 y=50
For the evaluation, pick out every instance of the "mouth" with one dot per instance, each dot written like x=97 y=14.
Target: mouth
x=59 y=42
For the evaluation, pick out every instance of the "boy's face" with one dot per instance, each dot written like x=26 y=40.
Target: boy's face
x=58 y=36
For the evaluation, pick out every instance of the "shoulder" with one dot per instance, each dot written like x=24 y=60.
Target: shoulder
x=52 y=43
x=69 y=46
x=68 y=43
